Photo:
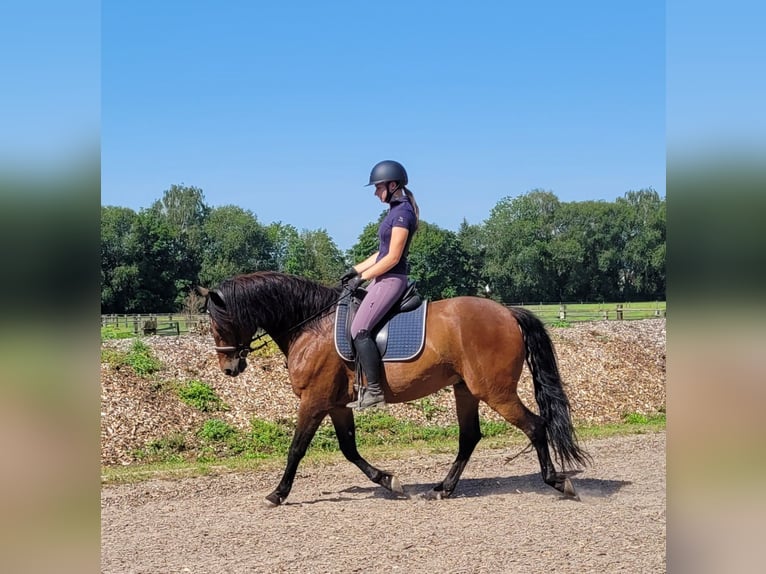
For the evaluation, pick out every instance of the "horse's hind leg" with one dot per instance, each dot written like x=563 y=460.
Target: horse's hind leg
x=533 y=425
x=467 y=407
x=345 y=429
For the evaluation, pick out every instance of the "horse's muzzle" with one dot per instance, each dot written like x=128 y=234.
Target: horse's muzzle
x=233 y=371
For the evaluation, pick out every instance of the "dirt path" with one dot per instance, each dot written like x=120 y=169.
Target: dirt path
x=502 y=519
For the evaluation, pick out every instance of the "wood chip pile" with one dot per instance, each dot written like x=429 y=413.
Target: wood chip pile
x=610 y=369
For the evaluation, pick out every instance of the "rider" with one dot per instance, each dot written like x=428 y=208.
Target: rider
x=387 y=268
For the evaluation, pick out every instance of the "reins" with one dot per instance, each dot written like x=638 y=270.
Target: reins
x=244 y=350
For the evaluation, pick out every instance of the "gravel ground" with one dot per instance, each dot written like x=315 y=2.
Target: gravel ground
x=502 y=518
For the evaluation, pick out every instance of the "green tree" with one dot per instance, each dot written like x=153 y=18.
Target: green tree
x=280 y=236
x=158 y=255
x=314 y=255
x=439 y=264
x=119 y=274
x=472 y=239
x=518 y=259
x=531 y=248
x=643 y=257
x=585 y=250
x=234 y=242
x=183 y=211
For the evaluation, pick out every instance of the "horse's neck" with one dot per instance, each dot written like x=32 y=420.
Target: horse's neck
x=283 y=329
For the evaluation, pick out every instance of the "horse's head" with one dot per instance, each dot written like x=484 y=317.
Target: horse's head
x=231 y=348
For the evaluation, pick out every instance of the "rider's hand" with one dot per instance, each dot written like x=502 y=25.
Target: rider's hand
x=353 y=283
x=348 y=275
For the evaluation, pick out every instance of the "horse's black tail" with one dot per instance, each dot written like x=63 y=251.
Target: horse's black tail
x=549 y=390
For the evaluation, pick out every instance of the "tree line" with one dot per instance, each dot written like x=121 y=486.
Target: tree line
x=531 y=248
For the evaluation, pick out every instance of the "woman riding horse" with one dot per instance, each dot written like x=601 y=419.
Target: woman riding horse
x=473 y=344
x=387 y=268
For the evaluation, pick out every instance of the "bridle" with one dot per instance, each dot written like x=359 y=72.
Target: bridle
x=243 y=350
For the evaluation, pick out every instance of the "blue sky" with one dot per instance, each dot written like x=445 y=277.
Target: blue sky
x=50 y=97
x=283 y=108
x=716 y=83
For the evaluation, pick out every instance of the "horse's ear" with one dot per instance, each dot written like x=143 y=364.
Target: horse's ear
x=217 y=298
x=213 y=295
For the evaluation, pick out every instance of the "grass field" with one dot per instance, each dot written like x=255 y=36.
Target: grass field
x=574 y=312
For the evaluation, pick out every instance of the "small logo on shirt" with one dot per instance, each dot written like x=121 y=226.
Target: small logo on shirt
x=401 y=219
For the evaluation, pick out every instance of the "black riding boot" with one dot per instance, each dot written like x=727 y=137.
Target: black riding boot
x=369 y=358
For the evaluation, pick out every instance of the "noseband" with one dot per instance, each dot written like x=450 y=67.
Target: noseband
x=242 y=351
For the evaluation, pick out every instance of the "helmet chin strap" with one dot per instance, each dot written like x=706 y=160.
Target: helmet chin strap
x=390 y=194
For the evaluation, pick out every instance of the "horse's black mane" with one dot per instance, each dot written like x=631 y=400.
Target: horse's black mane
x=274 y=302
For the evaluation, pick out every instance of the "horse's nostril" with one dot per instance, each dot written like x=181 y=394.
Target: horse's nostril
x=228 y=372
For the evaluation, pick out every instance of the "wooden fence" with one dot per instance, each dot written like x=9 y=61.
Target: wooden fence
x=613 y=312
x=182 y=323
x=156 y=324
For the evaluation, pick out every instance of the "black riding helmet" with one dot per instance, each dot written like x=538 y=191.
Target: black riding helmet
x=388 y=170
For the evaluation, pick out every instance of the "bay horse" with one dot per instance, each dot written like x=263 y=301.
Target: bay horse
x=476 y=345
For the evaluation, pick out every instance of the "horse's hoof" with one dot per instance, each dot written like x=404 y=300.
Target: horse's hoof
x=396 y=486
x=434 y=495
x=569 y=490
x=272 y=500
x=391 y=483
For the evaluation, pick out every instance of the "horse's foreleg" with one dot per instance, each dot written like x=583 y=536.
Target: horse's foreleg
x=308 y=423
x=343 y=421
x=470 y=434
